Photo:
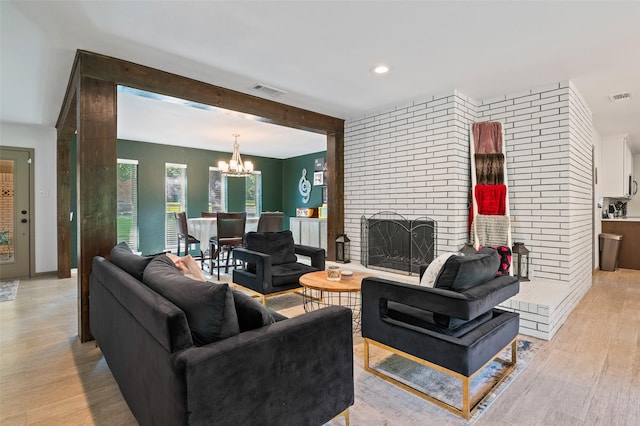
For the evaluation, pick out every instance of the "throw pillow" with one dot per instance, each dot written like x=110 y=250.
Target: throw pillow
x=278 y=245
x=251 y=313
x=461 y=273
x=433 y=270
x=505 y=260
x=133 y=264
x=209 y=307
x=504 y=253
x=187 y=266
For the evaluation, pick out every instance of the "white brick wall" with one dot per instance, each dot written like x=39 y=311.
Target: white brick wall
x=536 y=127
x=581 y=195
x=413 y=159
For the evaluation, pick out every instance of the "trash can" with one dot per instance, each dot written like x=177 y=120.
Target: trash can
x=609 y=250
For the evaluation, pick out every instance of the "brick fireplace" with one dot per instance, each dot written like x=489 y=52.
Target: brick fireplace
x=413 y=159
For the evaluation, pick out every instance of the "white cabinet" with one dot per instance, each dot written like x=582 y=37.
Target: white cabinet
x=617 y=167
x=309 y=231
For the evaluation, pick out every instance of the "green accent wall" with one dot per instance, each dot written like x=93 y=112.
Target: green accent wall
x=279 y=186
x=151 y=165
x=291 y=174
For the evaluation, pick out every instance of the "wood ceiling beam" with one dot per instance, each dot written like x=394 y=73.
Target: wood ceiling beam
x=165 y=83
x=89 y=106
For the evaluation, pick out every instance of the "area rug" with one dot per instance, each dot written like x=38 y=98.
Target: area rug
x=378 y=402
x=8 y=290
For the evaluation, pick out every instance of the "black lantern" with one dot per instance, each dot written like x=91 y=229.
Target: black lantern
x=521 y=261
x=467 y=248
x=343 y=249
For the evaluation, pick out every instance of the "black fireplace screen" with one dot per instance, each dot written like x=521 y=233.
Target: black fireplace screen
x=392 y=242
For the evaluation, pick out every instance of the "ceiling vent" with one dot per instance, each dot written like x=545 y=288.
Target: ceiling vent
x=620 y=97
x=268 y=90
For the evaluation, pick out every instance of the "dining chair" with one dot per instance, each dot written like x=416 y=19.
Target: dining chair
x=183 y=235
x=230 y=234
x=208 y=253
x=270 y=222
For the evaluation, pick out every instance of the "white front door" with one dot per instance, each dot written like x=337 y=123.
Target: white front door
x=15 y=212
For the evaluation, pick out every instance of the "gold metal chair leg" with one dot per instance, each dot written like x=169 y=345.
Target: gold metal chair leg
x=470 y=403
x=466 y=398
x=366 y=354
x=345 y=413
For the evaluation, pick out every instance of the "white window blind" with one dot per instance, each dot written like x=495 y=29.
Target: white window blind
x=175 y=200
x=217 y=191
x=127 y=199
x=253 y=194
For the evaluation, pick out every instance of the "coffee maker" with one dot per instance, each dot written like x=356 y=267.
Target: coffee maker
x=616 y=210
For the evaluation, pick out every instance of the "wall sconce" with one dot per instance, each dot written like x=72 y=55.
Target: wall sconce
x=520 y=261
x=343 y=249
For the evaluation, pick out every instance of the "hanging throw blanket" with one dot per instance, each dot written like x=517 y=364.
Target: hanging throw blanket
x=491 y=230
x=491 y=199
x=487 y=137
x=489 y=169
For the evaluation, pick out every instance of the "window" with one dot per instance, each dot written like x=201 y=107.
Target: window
x=127 y=226
x=217 y=191
x=218 y=200
x=253 y=195
x=175 y=200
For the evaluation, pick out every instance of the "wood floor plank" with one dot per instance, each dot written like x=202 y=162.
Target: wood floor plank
x=589 y=374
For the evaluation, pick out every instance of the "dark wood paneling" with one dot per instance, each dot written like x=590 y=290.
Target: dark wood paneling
x=63 y=162
x=66 y=128
x=67 y=117
x=95 y=77
x=157 y=81
x=630 y=231
x=97 y=177
x=335 y=190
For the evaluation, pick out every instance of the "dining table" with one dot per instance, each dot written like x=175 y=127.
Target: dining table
x=203 y=228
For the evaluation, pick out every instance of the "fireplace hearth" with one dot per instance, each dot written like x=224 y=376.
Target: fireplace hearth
x=392 y=242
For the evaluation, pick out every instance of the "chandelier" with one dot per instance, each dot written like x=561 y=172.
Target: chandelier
x=235 y=167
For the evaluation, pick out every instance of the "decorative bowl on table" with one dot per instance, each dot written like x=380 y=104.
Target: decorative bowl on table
x=346 y=275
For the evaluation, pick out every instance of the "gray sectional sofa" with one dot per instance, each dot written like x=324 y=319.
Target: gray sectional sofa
x=189 y=352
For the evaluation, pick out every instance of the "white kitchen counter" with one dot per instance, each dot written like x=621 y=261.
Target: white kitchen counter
x=623 y=219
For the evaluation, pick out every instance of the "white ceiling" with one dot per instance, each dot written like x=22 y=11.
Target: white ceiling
x=174 y=123
x=320 y=53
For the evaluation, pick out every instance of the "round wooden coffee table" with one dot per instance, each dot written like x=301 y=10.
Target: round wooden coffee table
x=318 y=292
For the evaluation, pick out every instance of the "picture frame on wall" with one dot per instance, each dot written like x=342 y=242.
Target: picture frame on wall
x=319 y=164
x=324 y=195
x=318 y=178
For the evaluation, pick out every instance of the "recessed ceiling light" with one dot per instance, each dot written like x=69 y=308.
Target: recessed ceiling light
x=381 y=69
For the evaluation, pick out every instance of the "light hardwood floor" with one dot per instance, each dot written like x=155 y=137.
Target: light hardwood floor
x=589 y=374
